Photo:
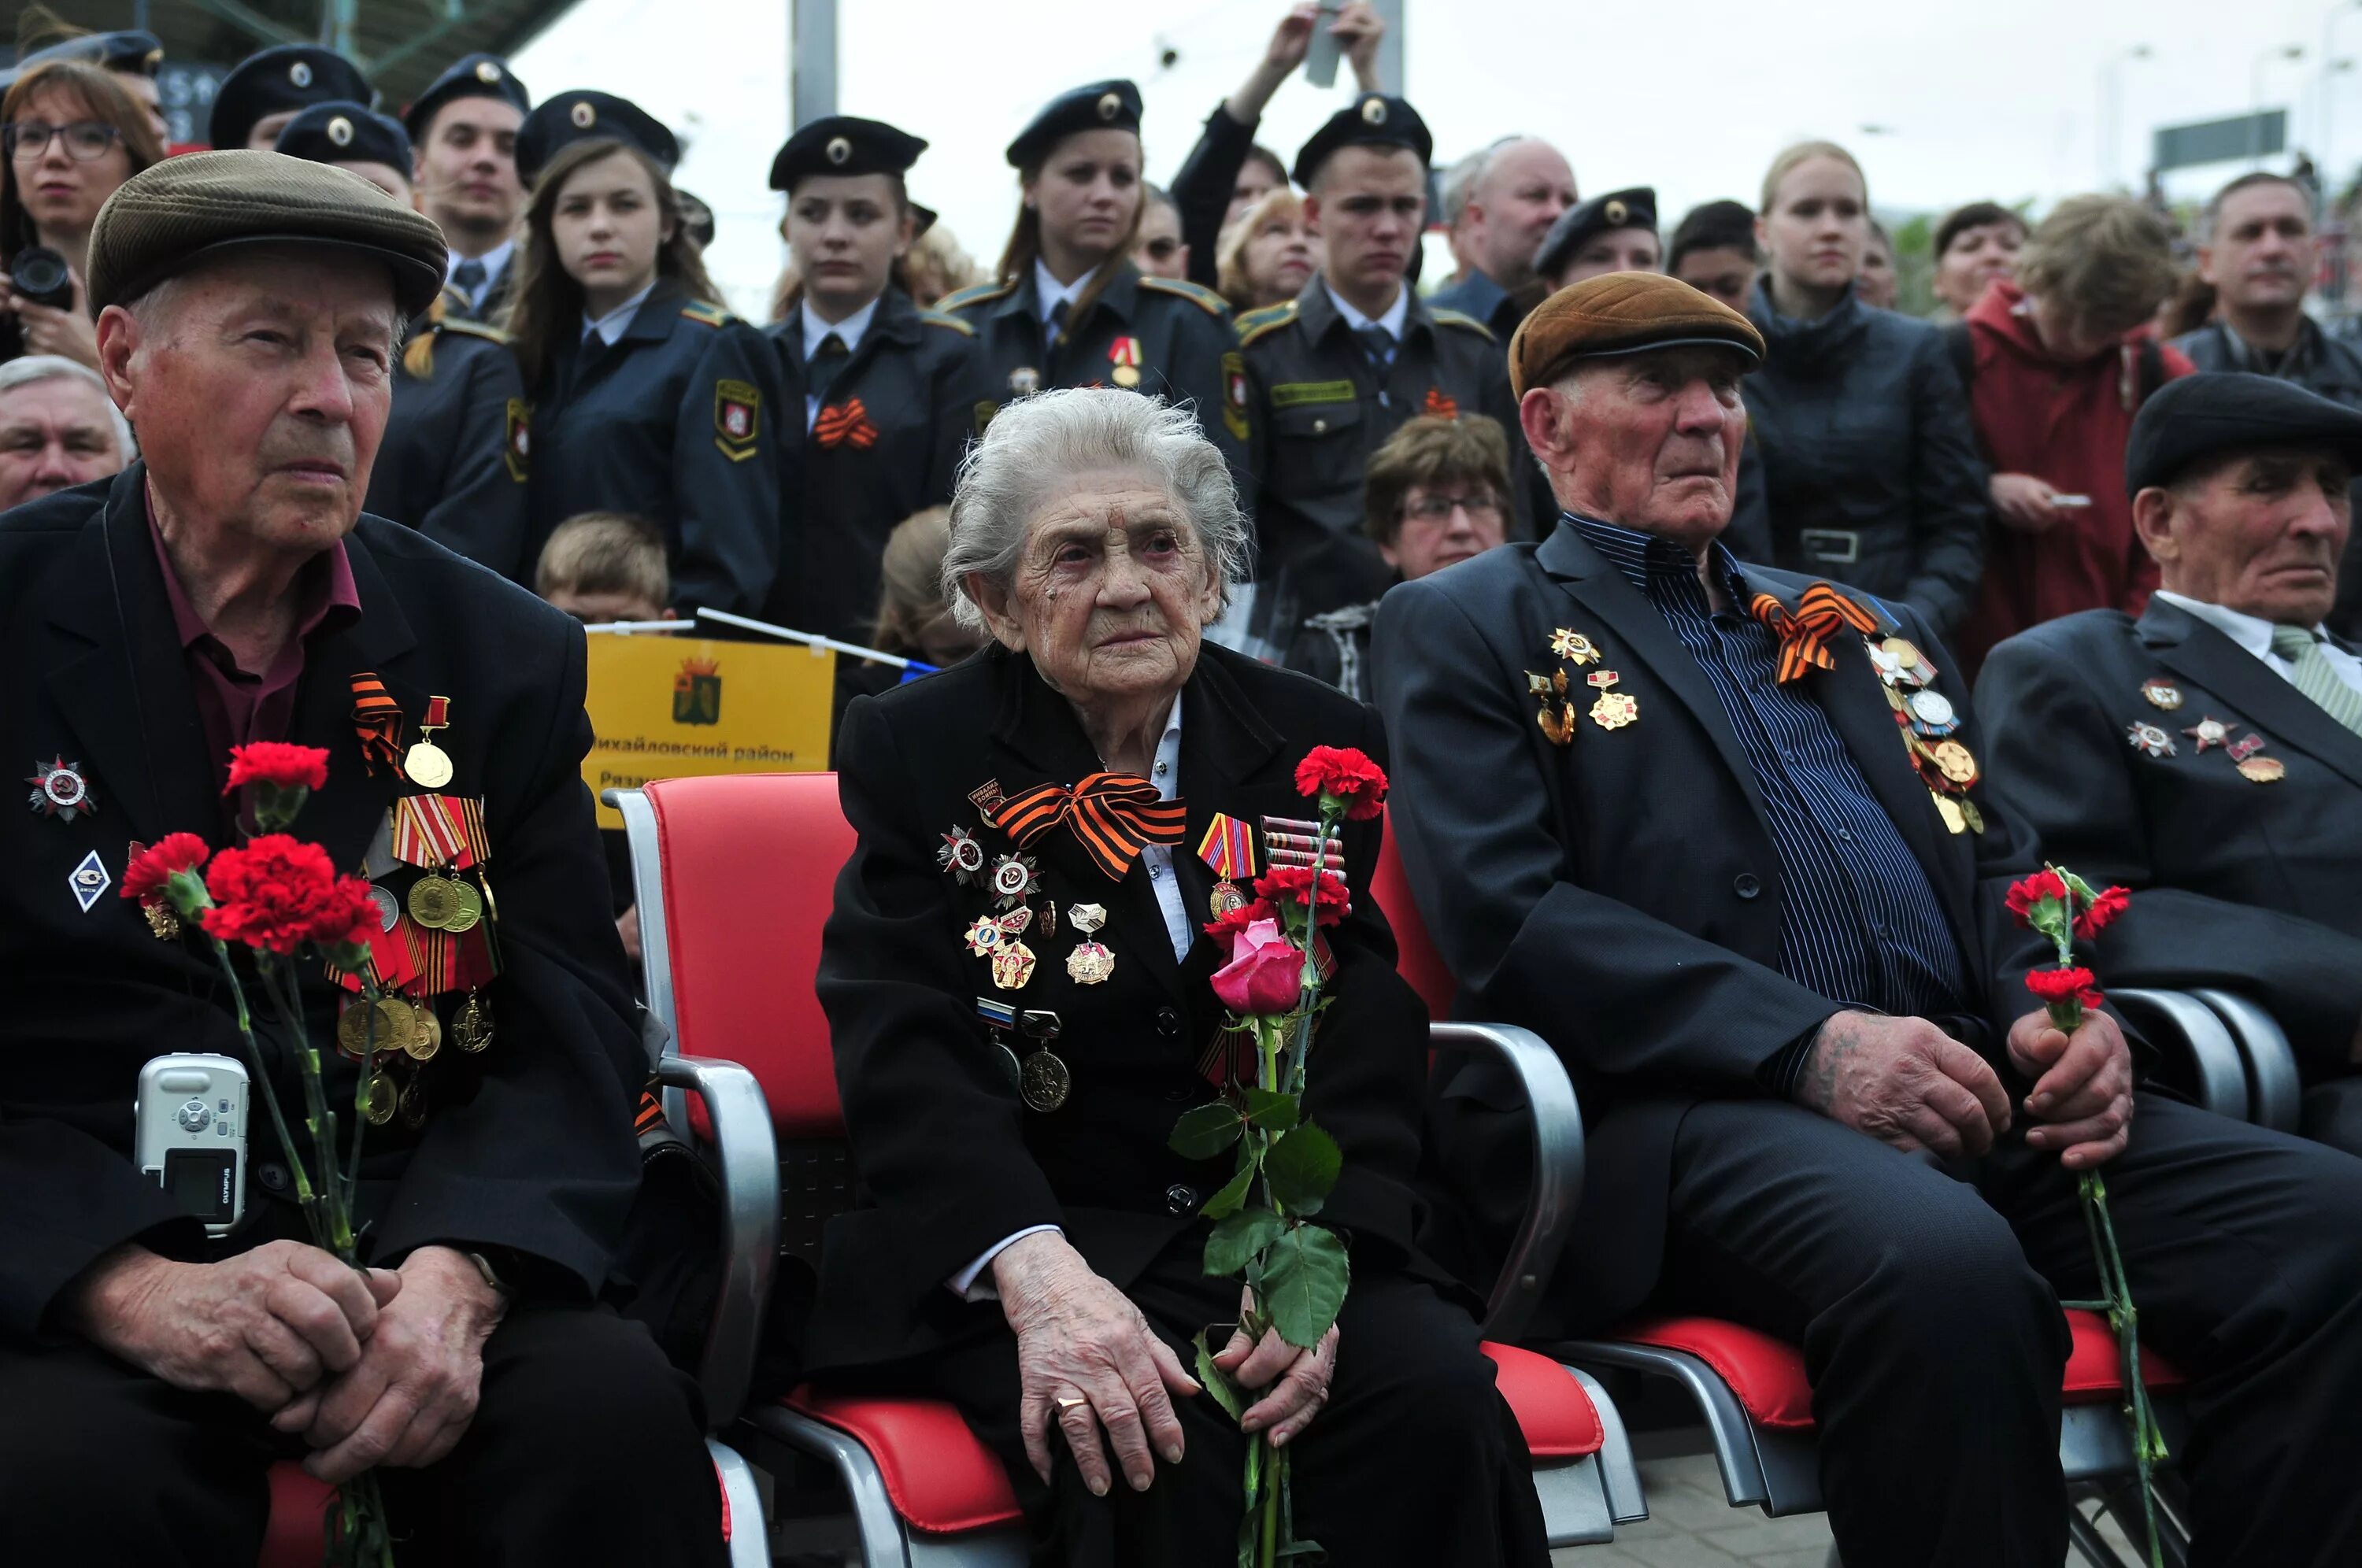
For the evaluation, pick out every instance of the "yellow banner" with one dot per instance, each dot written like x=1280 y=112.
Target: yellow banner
x=670 y=707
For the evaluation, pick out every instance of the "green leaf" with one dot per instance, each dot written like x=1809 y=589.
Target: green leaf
x=1302 y=1168
x=1227 y=1202
x=1206 y=1131
x=1304 y=1284
x=1273 y=1110
x=1236 y=1240
x=1216 y=1381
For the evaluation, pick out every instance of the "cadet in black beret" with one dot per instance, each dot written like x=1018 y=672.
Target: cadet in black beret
x=472 y=76
x=371 y=145
x=1613 y=233
x=842 y=144
x=1102 y=105
x=1373 y=120
x=464 y=129
x=2195 y=417
x=580 y=116
x=255 y=102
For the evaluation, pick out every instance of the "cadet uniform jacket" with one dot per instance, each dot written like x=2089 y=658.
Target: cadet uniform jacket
x=885 y=444
x=950 y=1160
x=679 y=421
x=527 y=1146
x=1180 y=335
x=2244 y=885
x=453 y=462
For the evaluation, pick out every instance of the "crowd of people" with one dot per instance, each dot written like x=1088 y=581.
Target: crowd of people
x=1734 y=641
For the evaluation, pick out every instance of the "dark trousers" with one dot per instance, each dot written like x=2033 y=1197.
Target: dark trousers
x=1415 y=1460
x=2331 y=1114
x=1928 y=1311
x=587 y=1447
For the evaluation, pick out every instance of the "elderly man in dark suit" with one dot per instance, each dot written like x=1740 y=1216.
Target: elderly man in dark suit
x=2208 y=755
x=223 y=591
x=1717 y=833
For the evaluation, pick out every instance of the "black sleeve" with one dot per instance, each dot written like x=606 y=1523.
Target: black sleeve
x=481 y=512
x=951 y=413
x=1202 y=188
x=733 y=533
x=1201 y=340
x=1948 y=494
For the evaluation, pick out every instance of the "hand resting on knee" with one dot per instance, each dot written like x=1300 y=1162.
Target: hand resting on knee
x=1905 y=1083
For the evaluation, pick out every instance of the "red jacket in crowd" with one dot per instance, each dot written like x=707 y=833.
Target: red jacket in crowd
x=2065 y=424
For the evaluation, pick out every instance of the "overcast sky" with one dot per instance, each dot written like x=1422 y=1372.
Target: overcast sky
x=2000 y=98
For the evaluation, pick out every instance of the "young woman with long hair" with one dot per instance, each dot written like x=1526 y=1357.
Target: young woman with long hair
x=72 y=135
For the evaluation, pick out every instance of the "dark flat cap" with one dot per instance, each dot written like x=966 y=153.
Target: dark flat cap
x=1622 y=313
x=284 y=76
x=1102 y=105
x=133 y=50
x=1375 y=120
x=167 y=218
x=346 y=133
x=470 y=76
x=583 y=115
x=1635 y=208
x=839 y=144
x=2217 y=413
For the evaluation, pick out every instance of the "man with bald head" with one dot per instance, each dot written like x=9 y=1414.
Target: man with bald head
x=225 y=591
x=1524 y=186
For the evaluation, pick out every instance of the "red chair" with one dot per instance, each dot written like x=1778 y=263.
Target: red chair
x=1749 y=1388
x=735 y=876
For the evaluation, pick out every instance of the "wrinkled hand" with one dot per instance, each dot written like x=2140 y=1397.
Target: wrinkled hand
x=266 y=1325
x=1905 y=1083
x=1361 y=29
x=410 y=1397
x=2083 y=1088
x=1303 y=1375
x=1086 y=1357
x=2024 y=503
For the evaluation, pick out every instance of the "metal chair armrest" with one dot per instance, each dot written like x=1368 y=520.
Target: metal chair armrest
x=2177 y=1019
x=2275 y=1092
x=1558 y=1164
x=747 y=1152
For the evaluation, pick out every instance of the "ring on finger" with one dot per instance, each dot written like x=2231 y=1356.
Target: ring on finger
x=1072 y=1403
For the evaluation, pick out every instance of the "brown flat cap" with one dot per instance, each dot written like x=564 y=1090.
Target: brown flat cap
x=1621 y=312
x=165 y=218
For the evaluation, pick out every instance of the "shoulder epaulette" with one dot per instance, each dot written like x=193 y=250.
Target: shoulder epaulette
x=1262 y=323
x=977 y=293
x=473 y=329
x=711 y=315
x=937 y=318
x=1466 y=323
x=1204 y=298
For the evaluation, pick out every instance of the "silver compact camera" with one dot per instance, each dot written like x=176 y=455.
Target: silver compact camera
x=190 y=1135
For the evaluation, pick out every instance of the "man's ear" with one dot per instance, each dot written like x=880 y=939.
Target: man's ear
x=1311 y=212
x=2206 y=266
x=1541 y=415
x=2152 y=513
x=118 y=339
x=999 y=617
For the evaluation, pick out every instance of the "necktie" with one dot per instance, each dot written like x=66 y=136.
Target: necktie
x=1111 y=814
x=467 y=277
x=1054 y=331
x=1377 y=346
x=826 y=362
x=2315 y=678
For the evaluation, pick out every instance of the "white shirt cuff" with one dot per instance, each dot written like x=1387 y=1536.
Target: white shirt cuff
x=973 y=1284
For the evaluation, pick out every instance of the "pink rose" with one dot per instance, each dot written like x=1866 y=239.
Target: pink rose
x=1266 y=974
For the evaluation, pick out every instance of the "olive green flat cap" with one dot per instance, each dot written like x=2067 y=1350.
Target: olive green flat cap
x=168 y=217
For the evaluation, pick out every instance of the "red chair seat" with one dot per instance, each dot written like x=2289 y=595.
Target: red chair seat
x=1553 y=1409
x=1768 y=1375
x=938 y=1476
x=298 y=1506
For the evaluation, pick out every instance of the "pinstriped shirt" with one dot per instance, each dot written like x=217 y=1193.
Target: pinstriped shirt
x=1859 y=923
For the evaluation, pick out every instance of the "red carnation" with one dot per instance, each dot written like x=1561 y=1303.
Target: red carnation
x=1231 y=923
x=1345 y=776
x=2028 y=892
x=1294 y=885
x=279 y=764
x=2057 y=986
x=279 y=893
x=2105 y=907
x=148 y=877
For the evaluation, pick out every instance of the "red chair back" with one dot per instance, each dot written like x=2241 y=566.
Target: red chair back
x=750 y=862
x=1417 y=960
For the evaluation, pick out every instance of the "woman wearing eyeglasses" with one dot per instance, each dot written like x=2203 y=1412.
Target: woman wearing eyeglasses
x=72 y=135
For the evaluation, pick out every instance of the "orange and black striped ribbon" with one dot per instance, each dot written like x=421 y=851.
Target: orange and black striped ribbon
x=651 y=1114
x=377 y=718
x=1805 y=632
x=1113 y=814
x=848 y=421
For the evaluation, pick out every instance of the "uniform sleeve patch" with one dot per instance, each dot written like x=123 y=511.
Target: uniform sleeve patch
x=737 y=418
x=517 y=445
x=1234 y=394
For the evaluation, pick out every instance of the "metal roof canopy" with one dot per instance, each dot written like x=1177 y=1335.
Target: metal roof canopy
x=401 y=45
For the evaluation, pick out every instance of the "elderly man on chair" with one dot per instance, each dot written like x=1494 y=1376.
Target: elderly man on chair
x=1657 y=806
x=225 y=591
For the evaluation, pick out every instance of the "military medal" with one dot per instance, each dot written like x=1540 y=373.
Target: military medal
x=468 y=908
x=1572 y=647
x=2263 y=770
x=1291 y=841
x=2148 y=739
x=1047 y=923
x=1614 y=709
x=1933 y=709
x=88 y=880
x=984 y=936
x=1089 y=963
x=2208 y=731
x=1024 y=382
x=1955 y=820
x=388 y=906
x=960 y=856
x=1086 y=917
x=986 y=797
x=1013 y=879
x=1952 y=759
x=2246 y=747
x=426 y=1037
x=1012 y=965
x=413 y=1104
x=433 y=901
x=1001 y=1015
x=1042 y=1081
x=471 y=1026
x=1557 y=716
x=1125 y=356
x=1016 y=922
x=426 y=764
x=2162 y=693
x=1229 y=848
x=383 y=1099
x=59 y=790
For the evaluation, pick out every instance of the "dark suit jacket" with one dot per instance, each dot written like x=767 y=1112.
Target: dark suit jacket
x=1620 y=896
x=453 y=462
x=528 y=1146
x=2236 y=883
x=950 y=1160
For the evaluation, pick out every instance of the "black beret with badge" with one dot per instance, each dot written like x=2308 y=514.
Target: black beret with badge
x=1102 y=105
x=1373 y=120
x=282 y=77
x=472 y=76
x=2191 y=418
x=1635 y=208
x=346 y=133
x=131 y=51
x=168 y=217
x=842 y=144
x=584 y=115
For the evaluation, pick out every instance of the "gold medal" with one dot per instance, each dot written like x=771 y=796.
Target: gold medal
x=467 y=907
x=1955 y=820
x=1902 y=651
x=382 y=1101
x=433 y=901
x=2162 y=694
x=397 y=1025
x=1012 y=965
x=1970 y=815
x=427 y=1036
x=1225 y=897
x=1043 y=1082
x=1047 y=923
x=471 y=1026
x=1090 y=963
x=352 y=1029
x=426 y=764
x=1574 y=647
x=2263 y=770
x=1124 y=376
x=1952 y=759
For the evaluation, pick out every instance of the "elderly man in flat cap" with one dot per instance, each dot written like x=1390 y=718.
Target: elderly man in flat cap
x=223 y=591
x=2208 y=755
x=1717 y=832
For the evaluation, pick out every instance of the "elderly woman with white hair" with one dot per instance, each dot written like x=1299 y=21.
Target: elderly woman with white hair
x=1031 y=1249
